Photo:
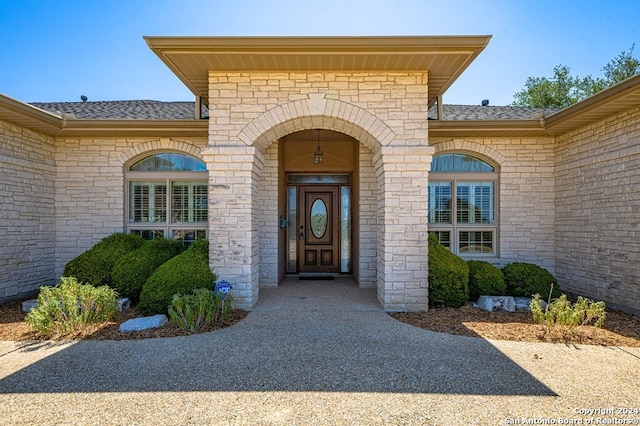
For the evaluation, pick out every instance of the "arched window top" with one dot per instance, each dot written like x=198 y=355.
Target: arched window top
x=459 y=163
x=168 y=162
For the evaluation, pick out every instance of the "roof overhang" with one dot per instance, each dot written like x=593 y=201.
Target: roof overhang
x=616 y=99
x=443 y=57
x=28 y=116
x=41 y=121
x=486 y=128
x=135 y=128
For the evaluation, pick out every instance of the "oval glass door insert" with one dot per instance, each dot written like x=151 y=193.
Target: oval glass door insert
x=318 y=218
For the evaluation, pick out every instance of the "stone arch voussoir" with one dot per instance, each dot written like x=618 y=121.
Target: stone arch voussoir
x=317 y=112
x=163 y=144
x=471 y=147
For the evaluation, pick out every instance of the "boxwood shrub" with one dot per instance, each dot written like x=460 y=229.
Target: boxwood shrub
x=448 y=276
x=485 y=280
x=527 y=279
x=179 y=275
x=134 y=269
x=95 y=265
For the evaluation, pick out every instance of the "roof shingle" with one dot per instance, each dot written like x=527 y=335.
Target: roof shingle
x=123 y=110
x=478 y=112
x=159 y=110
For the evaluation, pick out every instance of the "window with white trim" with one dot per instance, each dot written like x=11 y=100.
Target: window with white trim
x=468 y=225
x=167 y=196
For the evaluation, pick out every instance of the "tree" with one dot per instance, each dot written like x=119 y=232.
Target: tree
x=563 y=89
x=621 y=67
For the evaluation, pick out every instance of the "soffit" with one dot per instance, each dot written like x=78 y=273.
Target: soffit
x=443 y=57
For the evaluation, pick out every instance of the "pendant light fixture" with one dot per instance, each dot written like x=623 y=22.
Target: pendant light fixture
x=318 y=156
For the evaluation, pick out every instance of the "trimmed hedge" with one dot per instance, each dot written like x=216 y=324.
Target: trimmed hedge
x=527 y=279
x=95 y=265
x=485 y=280
x=448 y=276
x=179 y=275
x=134 y=269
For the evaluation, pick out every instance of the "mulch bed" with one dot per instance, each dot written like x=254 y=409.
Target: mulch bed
x=14 y=328
x=620 y=329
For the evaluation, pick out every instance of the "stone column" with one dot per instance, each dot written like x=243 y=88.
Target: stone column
x=233 y=210
x=402 y=173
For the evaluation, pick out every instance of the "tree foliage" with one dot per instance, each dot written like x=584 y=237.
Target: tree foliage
x=564 y=89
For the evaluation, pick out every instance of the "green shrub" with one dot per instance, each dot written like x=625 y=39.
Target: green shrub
x=527 y=279
x=134 y=269
x=448 y=276
x=69 y=306
x=485 y=280
x=203 y=307
x=179 y=275
x=561 y=312
x=94 y=266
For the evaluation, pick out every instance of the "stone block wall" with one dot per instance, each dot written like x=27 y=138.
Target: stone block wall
x=90 y=188
x=235 y=214
x=526 y=195
x=236 y=99
x=255 y=109
x=268 y=218
x=402 y=178
x=27 y=211
x=367 y=219
x=598 y=210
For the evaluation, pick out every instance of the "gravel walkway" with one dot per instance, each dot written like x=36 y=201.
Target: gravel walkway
x=316 y=352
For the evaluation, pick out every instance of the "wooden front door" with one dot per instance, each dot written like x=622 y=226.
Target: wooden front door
x=318 y=228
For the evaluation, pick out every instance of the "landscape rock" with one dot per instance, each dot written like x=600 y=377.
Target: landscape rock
x=524 y=303
x=143 y=323
x=124 y=304
x=28 y=305
x=494 y=303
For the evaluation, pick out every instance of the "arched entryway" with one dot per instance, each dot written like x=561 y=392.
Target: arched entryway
x=385 y=182
x=319 y=169
x=377 y=90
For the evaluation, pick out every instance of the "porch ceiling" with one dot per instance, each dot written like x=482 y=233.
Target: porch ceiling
x=443 y=57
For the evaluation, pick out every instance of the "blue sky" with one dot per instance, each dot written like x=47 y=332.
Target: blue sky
x=60 y=50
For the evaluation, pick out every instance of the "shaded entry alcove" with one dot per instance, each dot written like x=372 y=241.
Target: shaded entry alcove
x=319 y=203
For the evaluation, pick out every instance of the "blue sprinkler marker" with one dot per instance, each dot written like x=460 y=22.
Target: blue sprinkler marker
x=222 y=287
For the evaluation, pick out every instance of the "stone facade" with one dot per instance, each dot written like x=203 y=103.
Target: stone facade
x=27 y=211
x=268 y=216
x=234 y=208
x=386 y=112
x=597 y=210
x=365 y=212
x=89 y=188
x=568 y=203
x=402 y=175
x=526 y=195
